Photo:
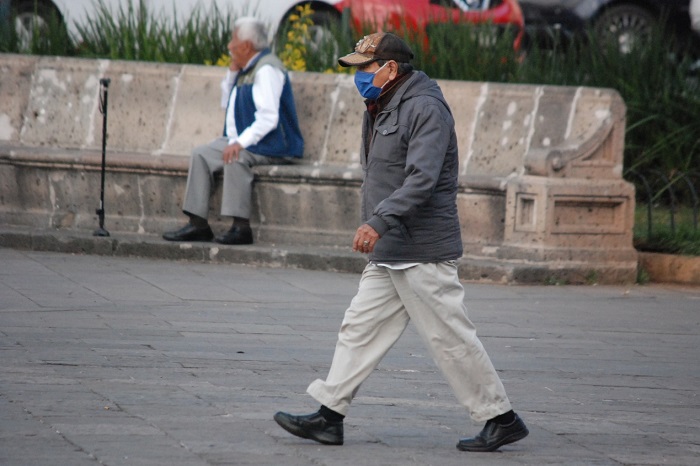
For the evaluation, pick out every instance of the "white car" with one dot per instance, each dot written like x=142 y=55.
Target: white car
x=30 y=13
x=695 y=15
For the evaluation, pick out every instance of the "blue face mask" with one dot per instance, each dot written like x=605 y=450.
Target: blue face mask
x=365 y=85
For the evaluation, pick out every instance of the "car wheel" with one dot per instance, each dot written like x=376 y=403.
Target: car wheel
x=323 y=36
x=625 y=26
x=33 y=19
x=322 y=45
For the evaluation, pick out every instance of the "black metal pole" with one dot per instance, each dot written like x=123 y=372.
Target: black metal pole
x=104 y=83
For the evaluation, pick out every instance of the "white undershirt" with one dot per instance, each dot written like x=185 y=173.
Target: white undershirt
x=397 y=265
x=267 y=91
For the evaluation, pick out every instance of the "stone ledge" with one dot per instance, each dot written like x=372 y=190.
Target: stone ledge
x=168 y=164
x=670 y=268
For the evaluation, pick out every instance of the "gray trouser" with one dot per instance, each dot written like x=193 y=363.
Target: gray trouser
x=205 y=162
x=433 y=298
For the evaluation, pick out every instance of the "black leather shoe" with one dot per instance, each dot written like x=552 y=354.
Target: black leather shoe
x=493 y=436
x=236 y=235
x=189 y=233
x=312 y=426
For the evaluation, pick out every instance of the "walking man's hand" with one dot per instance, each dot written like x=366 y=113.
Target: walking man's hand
x=365 y=239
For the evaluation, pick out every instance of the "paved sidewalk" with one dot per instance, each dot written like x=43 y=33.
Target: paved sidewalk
x=118 y=361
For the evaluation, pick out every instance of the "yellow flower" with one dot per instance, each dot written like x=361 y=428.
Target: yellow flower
x=294 y=52
x=223 y=60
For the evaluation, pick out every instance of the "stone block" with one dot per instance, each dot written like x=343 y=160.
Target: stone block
x=15 y=85
x=482 y=220
x=671 y=268
x=140 y=105
x=501 y=131
x=464 y=99
x=63 y=104
x=197 y=116
x=569 y=219
x=330 y=112
x=307 y=214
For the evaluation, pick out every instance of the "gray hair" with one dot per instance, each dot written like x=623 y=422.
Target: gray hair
x=253 y=30
x=403 y=68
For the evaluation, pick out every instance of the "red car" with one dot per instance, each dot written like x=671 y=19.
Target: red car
x=415 y=15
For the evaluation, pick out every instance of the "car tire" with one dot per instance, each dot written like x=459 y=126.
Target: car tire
x=326 y=25
x=29 y=15
x=625 y=26
x=323 y=46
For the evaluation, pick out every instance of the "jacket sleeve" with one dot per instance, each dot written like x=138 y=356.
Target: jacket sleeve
x=226 y=87
x=428 y=139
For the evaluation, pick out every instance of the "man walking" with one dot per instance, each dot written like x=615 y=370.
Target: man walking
x=411 y=233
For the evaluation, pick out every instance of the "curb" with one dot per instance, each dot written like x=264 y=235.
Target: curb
x=659 y=268
x=669 y=268
x=150 y=246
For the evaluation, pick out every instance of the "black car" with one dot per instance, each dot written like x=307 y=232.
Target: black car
x=623 y=21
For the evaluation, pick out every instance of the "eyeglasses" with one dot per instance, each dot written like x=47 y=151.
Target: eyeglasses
x=364 y=44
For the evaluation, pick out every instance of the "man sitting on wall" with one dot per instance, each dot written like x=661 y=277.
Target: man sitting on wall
x=260 y=128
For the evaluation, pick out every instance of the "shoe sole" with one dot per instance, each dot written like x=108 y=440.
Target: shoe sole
x=297 y=431
x=188 y=240
x=194 y=239
x=514 y=437
x=233 y=243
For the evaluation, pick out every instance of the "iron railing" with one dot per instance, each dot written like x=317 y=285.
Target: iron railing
x=655 y=188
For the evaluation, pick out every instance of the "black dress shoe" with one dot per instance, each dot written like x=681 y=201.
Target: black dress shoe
x=236 y=235
x=189 y=233
x=493 y=436
x=312 y=426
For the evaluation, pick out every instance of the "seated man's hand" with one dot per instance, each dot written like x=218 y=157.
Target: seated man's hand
x=231 y=152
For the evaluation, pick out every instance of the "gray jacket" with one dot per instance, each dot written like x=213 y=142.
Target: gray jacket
x=409 y=191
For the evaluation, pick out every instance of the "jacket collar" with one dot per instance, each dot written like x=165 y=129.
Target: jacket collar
x=398 y=92
x=387 y=96
x=254 y=61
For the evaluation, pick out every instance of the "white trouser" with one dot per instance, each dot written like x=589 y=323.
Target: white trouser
x=237 y=179
x=432 y=296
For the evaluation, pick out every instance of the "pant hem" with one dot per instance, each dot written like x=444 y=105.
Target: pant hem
x=318 y=395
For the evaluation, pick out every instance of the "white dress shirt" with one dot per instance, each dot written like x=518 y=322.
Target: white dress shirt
x=267 y=91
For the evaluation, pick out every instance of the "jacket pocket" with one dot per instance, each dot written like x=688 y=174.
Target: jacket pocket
x=405 y=233
x=386 y=143
x=386 y=130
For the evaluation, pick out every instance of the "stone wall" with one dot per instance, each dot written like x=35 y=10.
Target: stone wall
x=541 y=192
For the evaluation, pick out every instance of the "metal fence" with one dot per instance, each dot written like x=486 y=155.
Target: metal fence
x=675 y=192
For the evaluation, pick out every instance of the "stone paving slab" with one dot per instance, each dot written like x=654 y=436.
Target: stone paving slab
x=123 y=361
